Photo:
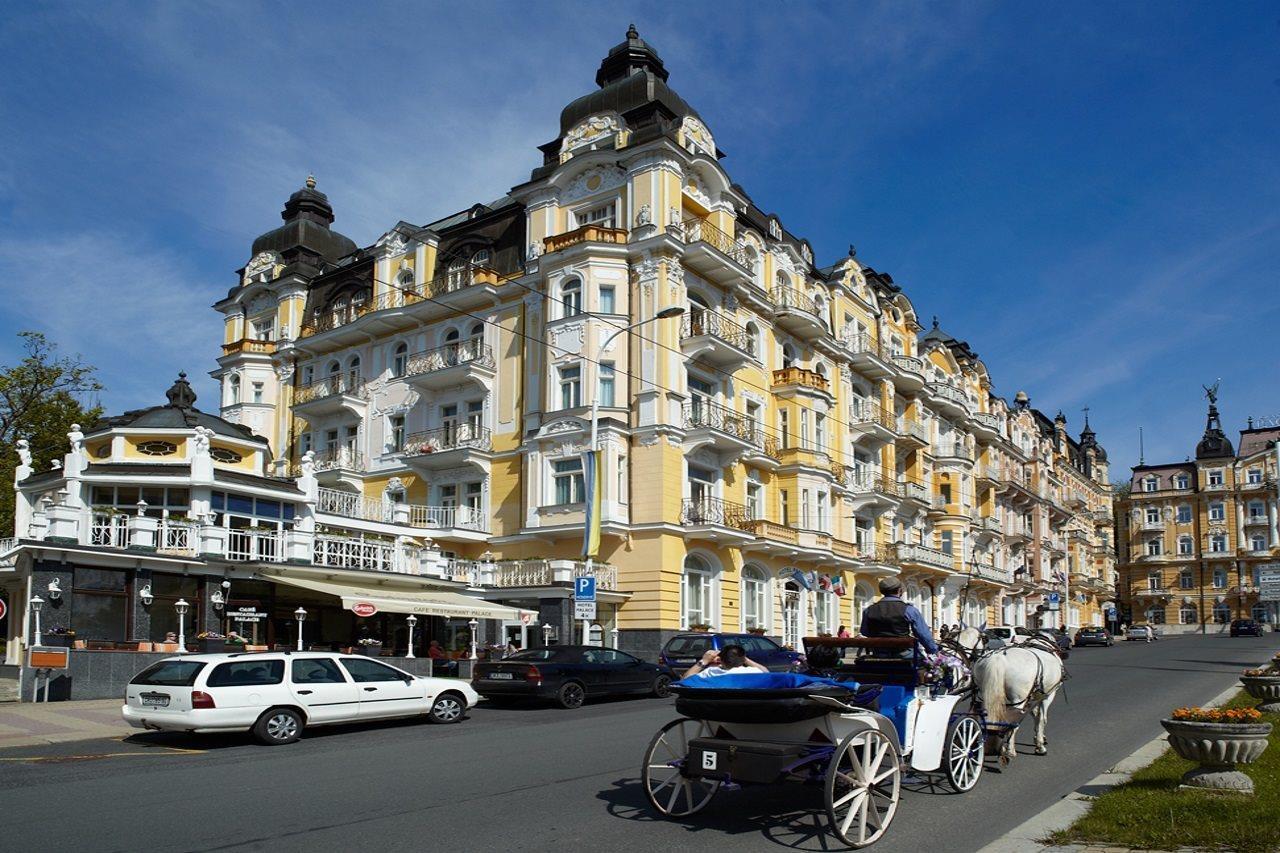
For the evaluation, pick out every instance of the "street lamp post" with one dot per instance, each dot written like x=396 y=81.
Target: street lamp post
x=546 y=634
x=473 y=624
x=181 y=606
x=36 y=603
x=665 y=313
x=301 y=615
x=411 y=620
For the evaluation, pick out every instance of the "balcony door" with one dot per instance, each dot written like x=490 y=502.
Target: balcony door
x=702 y=396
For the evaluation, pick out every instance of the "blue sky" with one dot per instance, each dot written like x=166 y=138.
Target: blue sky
x=1088 y=193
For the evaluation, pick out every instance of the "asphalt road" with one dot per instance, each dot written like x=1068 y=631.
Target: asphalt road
x=544 y=779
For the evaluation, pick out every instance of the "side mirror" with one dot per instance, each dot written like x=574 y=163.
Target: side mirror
x=409 y=679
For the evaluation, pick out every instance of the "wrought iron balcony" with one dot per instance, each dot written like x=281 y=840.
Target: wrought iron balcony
x=451 y=281
x=702 y=414
x=714 y=511
x=460 y=436
x=716 y=338
x=339 y=384
x=701 y=231
x=450 y=364
x=339 y=459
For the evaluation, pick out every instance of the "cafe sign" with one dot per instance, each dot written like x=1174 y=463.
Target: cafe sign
x=248 y=614
x=364 y=608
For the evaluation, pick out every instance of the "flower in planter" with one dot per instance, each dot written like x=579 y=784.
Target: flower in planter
x=1218 y=715
x=368 y=641
x=60 y=631
x=1261 y=672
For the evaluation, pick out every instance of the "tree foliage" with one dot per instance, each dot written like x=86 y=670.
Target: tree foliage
x=40 y=398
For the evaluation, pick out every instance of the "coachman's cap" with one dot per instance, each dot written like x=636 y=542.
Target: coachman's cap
x=890 y=586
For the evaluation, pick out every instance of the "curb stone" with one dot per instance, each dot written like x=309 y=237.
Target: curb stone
x=1030 y=834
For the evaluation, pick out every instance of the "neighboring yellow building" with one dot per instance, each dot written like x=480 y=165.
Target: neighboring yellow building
x=767 y=455
x=1194 y=535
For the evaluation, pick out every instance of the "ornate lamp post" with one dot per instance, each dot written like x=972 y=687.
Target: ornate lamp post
x=546 y=635
x=301 y=615
x=181 y=606
x=473 y=624
x=411 y=620
x=36 y=603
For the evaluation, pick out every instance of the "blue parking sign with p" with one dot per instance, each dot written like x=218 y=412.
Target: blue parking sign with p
x=584 y=589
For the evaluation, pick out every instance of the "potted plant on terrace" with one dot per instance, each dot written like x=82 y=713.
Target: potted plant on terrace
x=700 y=627
x=60 y=637
x=211 y=641
x=1264 y=683
x=1217 y=739
x=369 y=647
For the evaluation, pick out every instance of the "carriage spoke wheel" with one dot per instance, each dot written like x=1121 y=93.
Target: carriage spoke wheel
x=863 y=783
x=965 y=752
x=670 y=791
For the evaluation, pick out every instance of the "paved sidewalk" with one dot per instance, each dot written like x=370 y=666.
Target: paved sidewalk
x=34 y=724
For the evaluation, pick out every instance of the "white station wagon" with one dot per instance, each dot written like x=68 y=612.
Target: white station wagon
x=276 y=695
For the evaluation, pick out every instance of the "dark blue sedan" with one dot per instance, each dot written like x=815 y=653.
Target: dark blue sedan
x=683 y=650
x=568 y=675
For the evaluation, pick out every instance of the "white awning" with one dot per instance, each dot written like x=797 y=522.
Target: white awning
x=392 y=600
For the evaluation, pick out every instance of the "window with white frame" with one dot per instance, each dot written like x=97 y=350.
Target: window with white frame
x=1218 y=543
x=755 y=598
x=399 y=360
x=1215 y=477
x=571 y=298
x=1221 y=613
x=806 y=509
x=1155 y=614
x=264 y=329
x=824 y=517
x=570 y=487
x=825 y=611
x=1217 y=511
x=1182 y=481
x=702 y=485
x=1184 y=546
x=570 y=386
x=608 y=300
x=1154 y=548
x=606 y=383
x=1184 y=513
x=1186 y=580
x=1254 y=476
x=604 y=215
x=1153 y=515
x=1153 y=580
x=395 y=428
x=1257 y=510
x=1219 y=578
x=1150 y=484
x=698 y=602
x=1257 y=542
x=258 y=390
x=755 y=499
x=233 y=388
x=304 y=442
x=1187 y=614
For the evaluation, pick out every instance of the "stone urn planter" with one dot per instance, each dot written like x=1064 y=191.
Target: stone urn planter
x=1266 y=688
x=1217 y=748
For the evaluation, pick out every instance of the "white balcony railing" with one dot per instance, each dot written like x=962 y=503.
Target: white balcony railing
x=178 y=537
x=449 y=517
x=109 y=531
x=369 y=555
x=354 y=505
x=251 y=546
x=909 y=552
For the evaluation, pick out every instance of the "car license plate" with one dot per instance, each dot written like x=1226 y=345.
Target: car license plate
x=155 y=700
x=501 y=676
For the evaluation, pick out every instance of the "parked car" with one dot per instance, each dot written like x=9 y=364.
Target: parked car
x=569 y=675
x=683 y=650
x=1094 y=636
x=276 y=695
x=1141 y=631
x=1061 y=639
x=1245 y=628
x=1006 y=635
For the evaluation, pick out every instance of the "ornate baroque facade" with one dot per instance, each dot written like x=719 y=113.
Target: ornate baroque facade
x=1193 y=534
x=791 y=429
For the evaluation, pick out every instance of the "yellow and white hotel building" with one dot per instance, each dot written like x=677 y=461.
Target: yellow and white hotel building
x=794 y=418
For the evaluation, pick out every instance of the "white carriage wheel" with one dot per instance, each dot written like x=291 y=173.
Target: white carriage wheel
x=670 y=792
x=966 y=751
x=863 y=783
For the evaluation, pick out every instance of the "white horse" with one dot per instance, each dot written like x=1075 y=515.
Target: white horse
x=1015 y=681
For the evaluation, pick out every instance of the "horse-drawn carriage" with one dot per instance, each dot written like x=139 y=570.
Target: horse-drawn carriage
x=868 y=711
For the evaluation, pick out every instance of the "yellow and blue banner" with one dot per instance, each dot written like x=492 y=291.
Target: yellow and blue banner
x=591 y=464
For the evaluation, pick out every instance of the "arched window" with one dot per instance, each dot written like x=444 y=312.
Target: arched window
x=1187 y=614
x=1155 y=614
x=820 y=305
x=753 y=340
x=477 y=331
x=792 y=596
x=821 y=369
x=699 y=599
x=826 y=611
x=334 y=368
x=571 y=298
x=862 y=598
x=399 y=360
x=353 y=367
x=783 y=280
x=788 y=356
x=405 y=281
x=456 y=275
x=1153 y=579
x=755 y=598
x=233 y=388
x=1221 y=613
x=451 y=336
x=1184 y=546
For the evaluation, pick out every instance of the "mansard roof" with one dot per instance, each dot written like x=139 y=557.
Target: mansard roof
x=179 y=414
x=305 y=234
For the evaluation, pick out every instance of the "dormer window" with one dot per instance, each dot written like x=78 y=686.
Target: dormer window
x=1150 y=484
x=1182 y=481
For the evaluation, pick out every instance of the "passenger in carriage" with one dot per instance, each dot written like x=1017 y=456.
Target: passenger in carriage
x=730 y=659
x=893 y=617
